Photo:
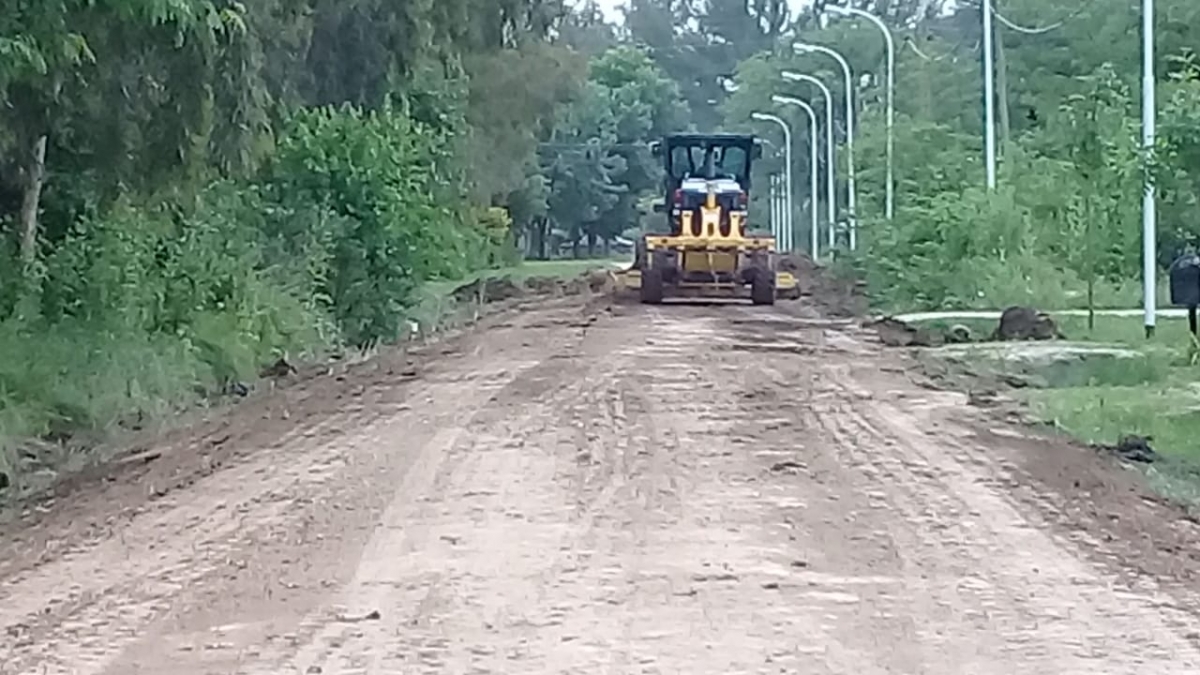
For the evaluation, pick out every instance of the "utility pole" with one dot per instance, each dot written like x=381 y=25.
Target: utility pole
x=890 y=44
x=1149 y=211
x=784 y=242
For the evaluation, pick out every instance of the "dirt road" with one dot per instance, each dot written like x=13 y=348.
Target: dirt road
x=692 y=490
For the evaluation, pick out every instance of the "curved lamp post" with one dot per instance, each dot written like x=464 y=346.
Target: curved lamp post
x=891 y=90
x=851 y=188
x=814 y=234
x=787 y=168
x=830 y=179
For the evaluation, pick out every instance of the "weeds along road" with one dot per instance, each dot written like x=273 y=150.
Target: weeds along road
x=681 y=489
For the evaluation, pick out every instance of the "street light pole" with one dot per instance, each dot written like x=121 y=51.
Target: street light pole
x=830 y=178
x=787 y=170
x=1149 y=209
x=773 y=201
x=814 y=231
x=851 y=188
x=891 y=93
x=989 y=96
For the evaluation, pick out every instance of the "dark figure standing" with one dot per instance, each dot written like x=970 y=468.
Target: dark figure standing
x=1185 y=283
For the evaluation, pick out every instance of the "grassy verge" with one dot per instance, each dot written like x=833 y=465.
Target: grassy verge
x=530 y=268
x=65 y=393
x=437 y=308
x=1154 y=392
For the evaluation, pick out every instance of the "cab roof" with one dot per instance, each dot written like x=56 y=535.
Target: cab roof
x=709 y=138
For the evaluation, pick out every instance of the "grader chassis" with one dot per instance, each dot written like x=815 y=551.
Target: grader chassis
x=707 y=250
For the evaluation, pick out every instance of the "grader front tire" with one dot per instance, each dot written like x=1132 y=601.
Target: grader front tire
x=652 y=286
x=762 y=287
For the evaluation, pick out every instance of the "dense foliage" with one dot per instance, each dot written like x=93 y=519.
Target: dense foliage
x=190 y=189
x=1065 y=219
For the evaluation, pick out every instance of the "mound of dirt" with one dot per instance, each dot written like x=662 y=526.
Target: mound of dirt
x=499 y=289
x=1025 y=323
x=544 y=285
x=837 y=294
x=601 y=281
x=491 y=289
x=596 y=281
x=1131 y=449
x=576 y=286
x=798 y=264
x=896 y=333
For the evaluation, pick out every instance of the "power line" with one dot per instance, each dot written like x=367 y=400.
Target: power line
x=587 y=146
x=1012 y=25
x=912 y=44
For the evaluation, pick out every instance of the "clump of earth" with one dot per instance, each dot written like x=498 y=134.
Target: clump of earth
x=1026 y=323
x=1130 y=448
x=500 y=289
x=896 y=333
x=1016 y=323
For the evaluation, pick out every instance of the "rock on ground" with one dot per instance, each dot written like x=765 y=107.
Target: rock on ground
x=1025 y=323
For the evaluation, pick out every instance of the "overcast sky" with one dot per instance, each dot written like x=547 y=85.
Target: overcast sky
x=610 y=7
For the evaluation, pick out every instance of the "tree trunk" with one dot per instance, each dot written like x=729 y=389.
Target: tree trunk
x=1089 y=252
x=1091 y=300
x=541 y=236
x=35 y=177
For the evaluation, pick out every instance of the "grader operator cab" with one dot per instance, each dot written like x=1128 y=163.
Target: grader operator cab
x=706 y=249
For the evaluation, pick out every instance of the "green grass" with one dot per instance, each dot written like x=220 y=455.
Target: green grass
x=562 y=269
x=1167 y=411
x=436 y=309
x=1099 y=400
x=1170 y=332
x=82 y=380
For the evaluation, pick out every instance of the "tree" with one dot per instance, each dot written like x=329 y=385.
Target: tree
x=47 y=59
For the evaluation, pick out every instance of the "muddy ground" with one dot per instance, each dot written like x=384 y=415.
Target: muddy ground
x=582 y=487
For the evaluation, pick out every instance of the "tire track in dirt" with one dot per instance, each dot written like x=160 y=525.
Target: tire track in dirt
x=708 y=490
x=655 y=536
x=519 y=445
x=617 y=514
x=218 y=528
x=976 y=565
x=450 y=502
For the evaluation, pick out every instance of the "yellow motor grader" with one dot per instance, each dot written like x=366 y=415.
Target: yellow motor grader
x=706 y=250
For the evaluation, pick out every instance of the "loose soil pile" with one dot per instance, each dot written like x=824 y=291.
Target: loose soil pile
x=1016 y=324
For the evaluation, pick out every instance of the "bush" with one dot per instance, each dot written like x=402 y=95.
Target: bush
x=388 y=181
x=148 y=308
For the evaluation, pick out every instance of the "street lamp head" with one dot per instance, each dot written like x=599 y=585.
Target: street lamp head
x=838 y=10
x=785 y=99
x=804 y=47
x=793 y=76
x=761 y=117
